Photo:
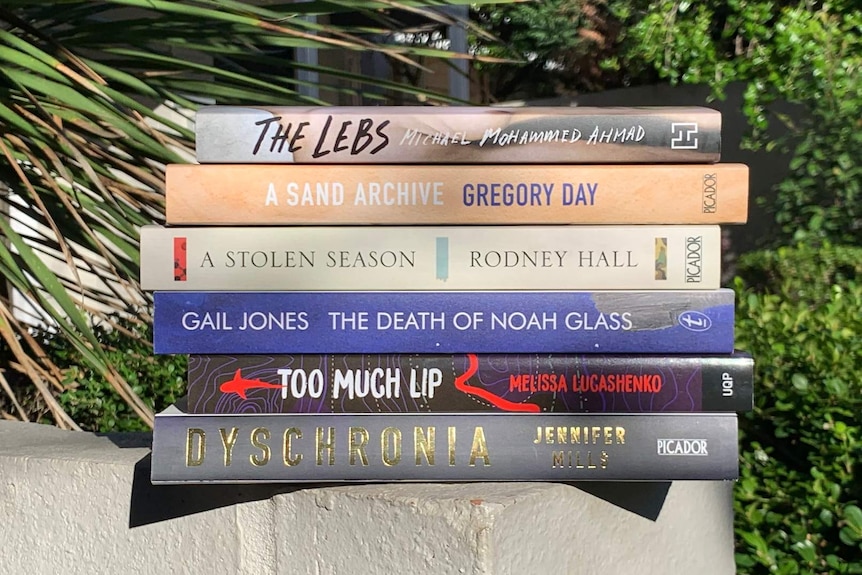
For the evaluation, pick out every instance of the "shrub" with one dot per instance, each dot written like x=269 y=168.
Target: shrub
x=801 y=272
x=797 y=502
x=93 y=403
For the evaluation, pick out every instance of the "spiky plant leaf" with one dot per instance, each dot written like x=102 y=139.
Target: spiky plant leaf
x=85 y=134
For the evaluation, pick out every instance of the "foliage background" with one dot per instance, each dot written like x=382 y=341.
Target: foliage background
x=799 y=310
x=798 y=499
x=82 y=149
x=800 y=52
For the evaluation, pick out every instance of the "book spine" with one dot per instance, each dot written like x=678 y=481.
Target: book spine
x=441 y=383
x=320 y=258
x=393 y=135
x=616 y=321
x=443 y=447
x=500 y=194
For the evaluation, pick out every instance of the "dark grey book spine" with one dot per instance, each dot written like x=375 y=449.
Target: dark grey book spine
x=442 y=447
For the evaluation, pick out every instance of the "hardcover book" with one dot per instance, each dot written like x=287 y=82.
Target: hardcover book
x=210 y=448
x=441 y=383
x=231 y=194
x=445 y=258
x=617 y=321
x=457 y=135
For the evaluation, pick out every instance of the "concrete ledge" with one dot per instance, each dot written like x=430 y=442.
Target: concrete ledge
x=76 y=502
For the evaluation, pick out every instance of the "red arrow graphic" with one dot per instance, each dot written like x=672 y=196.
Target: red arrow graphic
x=504 y=404
x=240 y=385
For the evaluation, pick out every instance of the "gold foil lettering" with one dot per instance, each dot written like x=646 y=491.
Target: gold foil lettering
x=228 y=440
x=289 y=459
x=424 y=444
x=195 y=457
x=558 y=459
x=390 y=441
x=450 y=432
x=257 y=434
x=578 y=464
x=609 y=435
x=549 y=434
x=329 y=444
x=562 y=436
x=573 y=459
x=480 y=447
x=538 y=435
x=357 y=447
x=621 y=435
x=596 y=432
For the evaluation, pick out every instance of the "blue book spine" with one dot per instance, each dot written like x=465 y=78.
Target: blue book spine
x=618 y=321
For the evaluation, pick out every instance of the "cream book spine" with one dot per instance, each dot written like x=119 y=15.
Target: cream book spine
x=346 y=258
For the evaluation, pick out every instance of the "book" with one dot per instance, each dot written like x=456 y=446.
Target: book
x=448 y=383
x=457 y=135
x=247 y=448
x=236 y=194
x=615 y=321
x=445 y=258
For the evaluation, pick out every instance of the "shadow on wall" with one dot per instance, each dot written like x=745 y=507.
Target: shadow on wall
x=766 y=168
x=151 y=504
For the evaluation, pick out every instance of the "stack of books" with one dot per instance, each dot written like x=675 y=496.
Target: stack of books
x=449 y=294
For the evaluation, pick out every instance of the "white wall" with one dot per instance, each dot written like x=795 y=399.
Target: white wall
x=74 y=502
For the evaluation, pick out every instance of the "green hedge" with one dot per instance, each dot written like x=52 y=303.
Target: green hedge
x=93 y=403
x=798 y=499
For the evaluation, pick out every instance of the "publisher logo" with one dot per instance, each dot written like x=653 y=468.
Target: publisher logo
x=683 y=136
x=693 y=259
x=691 y=447
x=710 y=193
x=695 y=321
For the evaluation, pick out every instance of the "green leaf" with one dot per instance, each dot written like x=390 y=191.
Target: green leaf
x=756 y=541
x=806 y=550
x=853 y=516
x=84 y=152
x=48 y=280
x=799 y=381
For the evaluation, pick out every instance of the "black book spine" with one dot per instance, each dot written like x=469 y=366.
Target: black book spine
x=447 y=383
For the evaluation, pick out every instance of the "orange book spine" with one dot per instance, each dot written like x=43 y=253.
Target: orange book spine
x=241 y=194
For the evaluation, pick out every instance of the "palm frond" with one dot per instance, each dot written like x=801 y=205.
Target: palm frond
x=95 y=100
